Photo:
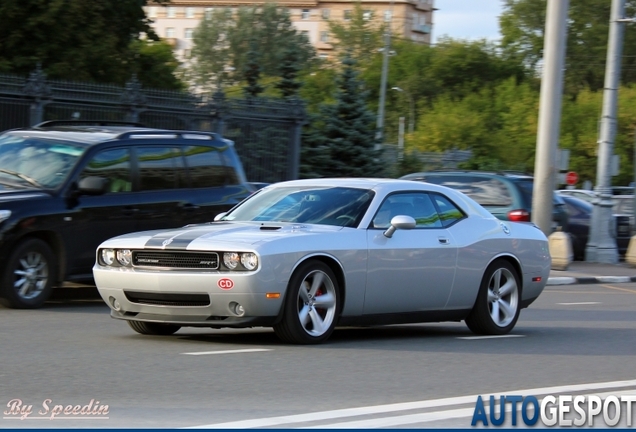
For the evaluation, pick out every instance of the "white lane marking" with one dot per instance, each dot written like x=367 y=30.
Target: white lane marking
x=385 y=422
x=561 y=281
x=405 y=406
x=578 y=303
x=490 y=337
x=228 y=351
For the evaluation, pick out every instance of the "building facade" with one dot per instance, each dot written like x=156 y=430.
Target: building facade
x=410 y=19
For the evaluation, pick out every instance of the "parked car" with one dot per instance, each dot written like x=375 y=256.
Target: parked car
x=66 y=186
x=505 y=195
x=307 y=255
x=624 y=205
x=584 y=194
x=580 y=216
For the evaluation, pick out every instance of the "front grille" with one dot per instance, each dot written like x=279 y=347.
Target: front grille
x=163 y=299
x=176 y=260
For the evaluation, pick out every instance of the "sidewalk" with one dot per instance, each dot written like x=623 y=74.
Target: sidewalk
x=581 y=272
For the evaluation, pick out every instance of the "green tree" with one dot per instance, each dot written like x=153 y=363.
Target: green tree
x=522 y=26
x=252 y=72
x=222 y=40
x=342 y=138
x=289 y=68
x=360 y=37
x=76 y=39
x=155 y=65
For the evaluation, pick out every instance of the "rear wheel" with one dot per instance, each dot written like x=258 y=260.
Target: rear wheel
x=499 y=301
x=29 y=275
x=157 y=329
x=311 y=305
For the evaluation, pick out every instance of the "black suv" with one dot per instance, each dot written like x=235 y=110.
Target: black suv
x=507 y=196
x=67 y=186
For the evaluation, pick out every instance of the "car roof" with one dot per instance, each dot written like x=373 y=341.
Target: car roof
x=503 y=174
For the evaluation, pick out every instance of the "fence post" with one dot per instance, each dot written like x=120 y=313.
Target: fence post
x=219 y=108
x=133 y=99
x=37 y=88
x=297 y=115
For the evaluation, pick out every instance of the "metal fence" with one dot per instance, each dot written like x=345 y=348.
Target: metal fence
x=266 y=131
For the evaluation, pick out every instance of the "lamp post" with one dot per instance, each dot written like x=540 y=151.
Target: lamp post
x=385 y=73
x=411 y=106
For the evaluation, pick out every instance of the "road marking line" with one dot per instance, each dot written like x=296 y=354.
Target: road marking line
x=619 y=289
x=578 y=303
x=405 y=406
x=490 y=337
x=228 y=351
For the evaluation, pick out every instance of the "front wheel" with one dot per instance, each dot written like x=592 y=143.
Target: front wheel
x=28 y=276
x=311 y=305
x=156 y=329
x=498 y=302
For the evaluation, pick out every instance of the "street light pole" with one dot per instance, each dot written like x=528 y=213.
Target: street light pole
x=383 y=81
x=602 y=244
x=411 y=108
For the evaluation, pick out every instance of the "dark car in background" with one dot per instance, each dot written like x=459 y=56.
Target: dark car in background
x=580 y=216
x=67 y=186
x=507 y=196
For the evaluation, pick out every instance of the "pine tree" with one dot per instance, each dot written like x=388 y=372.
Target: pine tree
x=252 y=72
x=341 y=141
x=289 y=84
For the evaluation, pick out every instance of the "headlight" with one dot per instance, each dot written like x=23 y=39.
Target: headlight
x=249 y=260
x=4 y=215
x=108 y=256
x=124 y=257
x=231 y=260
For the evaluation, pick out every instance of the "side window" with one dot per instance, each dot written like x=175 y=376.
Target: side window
x=160 y=168
x=205 y=166
x=418 y=205
x=113 y=165
x=448 y=212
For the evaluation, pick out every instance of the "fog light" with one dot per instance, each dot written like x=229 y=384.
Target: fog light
x=114 y=303
x=237 y=309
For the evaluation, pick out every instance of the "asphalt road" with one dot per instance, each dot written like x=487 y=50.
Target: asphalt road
x=72 y=352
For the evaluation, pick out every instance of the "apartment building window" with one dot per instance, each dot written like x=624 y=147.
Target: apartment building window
x=152 y=12
x=189 y=12
x=347 y=14
x=323 y=56
x=324 y=36
x=170 y=32
x=208 y=13
x=188 y=33
x=325 y=13
x=387 y=15
x=171 y=12
x=367 y=15
x=305 y=14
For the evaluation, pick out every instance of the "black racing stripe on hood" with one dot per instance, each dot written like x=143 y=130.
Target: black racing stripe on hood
x=171 y=241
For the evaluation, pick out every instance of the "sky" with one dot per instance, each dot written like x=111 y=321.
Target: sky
x=467 y=19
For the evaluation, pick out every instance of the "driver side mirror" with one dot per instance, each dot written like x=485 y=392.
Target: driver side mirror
x=93 y=185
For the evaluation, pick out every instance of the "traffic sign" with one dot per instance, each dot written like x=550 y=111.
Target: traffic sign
x=571 y=178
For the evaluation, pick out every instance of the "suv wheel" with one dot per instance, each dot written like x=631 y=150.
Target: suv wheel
x=28 y=277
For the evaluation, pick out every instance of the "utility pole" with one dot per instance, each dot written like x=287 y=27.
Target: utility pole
x=545 y=168
x=385 y=73
x=601 y=246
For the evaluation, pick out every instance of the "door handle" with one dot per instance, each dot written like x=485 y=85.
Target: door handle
x=129 y=211
x=189 y=207
x=443 y=240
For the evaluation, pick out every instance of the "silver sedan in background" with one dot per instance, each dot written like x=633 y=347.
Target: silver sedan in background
x=306 y=256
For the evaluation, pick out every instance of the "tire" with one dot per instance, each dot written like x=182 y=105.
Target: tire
x=498 y=303
x=312 y=305
x=156 y=329
x=29 y=275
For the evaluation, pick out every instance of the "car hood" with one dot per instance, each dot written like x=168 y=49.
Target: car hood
x=217 y=235
x=8 y=193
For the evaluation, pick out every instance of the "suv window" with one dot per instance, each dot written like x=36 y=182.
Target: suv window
x=114 y=165
x=206 y=167
x=160 y=168
x=486 y=191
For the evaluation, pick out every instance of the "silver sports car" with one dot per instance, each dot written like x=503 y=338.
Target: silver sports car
x=308 y=255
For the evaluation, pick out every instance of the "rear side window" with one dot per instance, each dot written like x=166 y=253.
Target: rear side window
x=206 y=166
x=489 y=192
x=448 y=211
x=114 y=165
x=160 y=168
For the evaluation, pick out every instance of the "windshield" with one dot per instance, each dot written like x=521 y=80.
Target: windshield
x=338 y=206
x=36 y=162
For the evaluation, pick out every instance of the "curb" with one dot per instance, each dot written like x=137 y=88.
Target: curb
x=590 y=280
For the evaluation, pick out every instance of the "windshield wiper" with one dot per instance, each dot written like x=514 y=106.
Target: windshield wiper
x=26 y=178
